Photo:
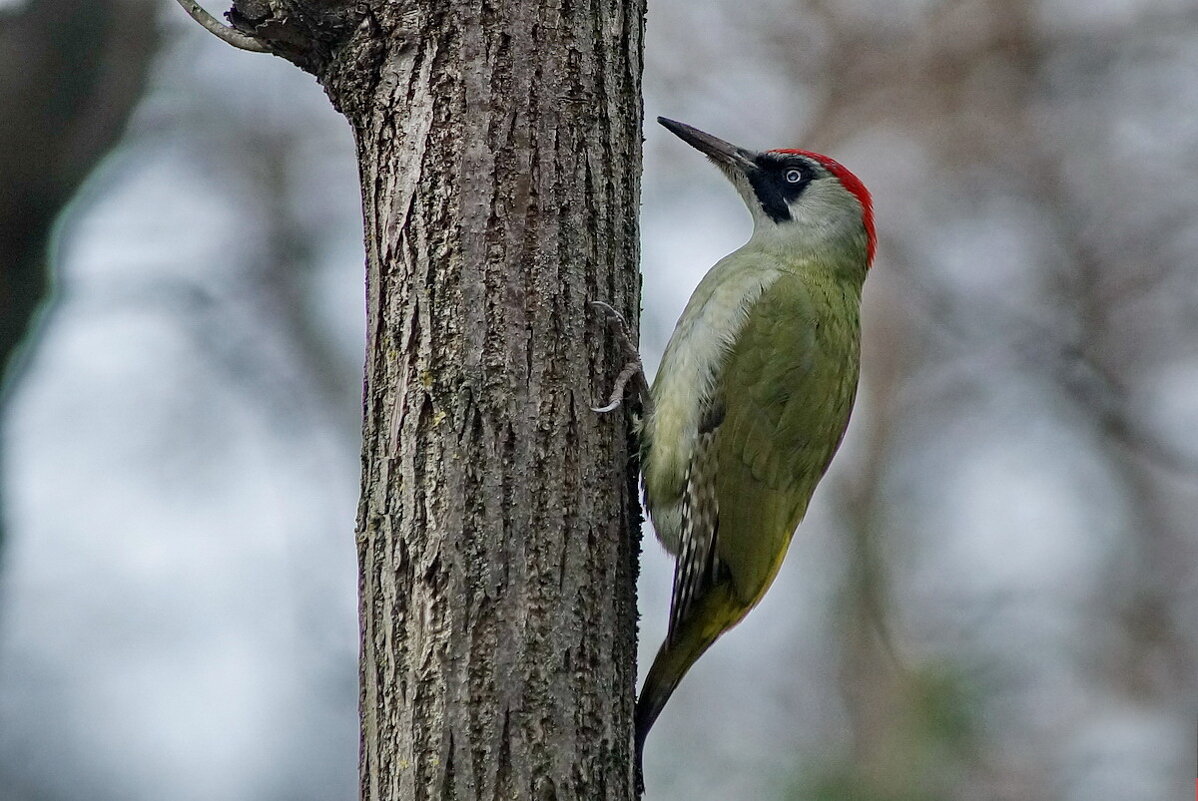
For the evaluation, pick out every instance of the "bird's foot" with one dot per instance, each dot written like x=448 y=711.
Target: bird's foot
x=633 y=369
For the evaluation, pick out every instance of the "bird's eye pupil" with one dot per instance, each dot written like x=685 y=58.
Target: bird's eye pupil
x=793 y=176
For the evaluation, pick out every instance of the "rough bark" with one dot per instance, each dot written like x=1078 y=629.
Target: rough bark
x=499 y=148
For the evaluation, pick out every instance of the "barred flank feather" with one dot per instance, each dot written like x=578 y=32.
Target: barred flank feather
x=695 y=569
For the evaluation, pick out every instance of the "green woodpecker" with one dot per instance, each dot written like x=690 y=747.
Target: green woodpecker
x=753 y=394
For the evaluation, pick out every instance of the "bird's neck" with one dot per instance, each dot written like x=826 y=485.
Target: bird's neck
x=834 y=250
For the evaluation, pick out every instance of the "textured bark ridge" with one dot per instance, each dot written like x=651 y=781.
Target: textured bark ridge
x=499 y=149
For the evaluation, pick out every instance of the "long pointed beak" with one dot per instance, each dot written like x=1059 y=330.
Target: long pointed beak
x=723 y=153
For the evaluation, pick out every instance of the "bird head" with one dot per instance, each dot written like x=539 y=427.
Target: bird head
x=793 y=195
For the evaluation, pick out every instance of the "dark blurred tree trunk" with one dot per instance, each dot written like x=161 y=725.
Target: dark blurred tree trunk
x=70 y=75
x=71 y=72
x=499 y=149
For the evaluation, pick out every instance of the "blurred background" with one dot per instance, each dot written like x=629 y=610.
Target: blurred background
x=995 y=593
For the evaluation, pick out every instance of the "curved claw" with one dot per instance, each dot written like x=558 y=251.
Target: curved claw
x=632 y=368
x=607 y=307
x=617 y=392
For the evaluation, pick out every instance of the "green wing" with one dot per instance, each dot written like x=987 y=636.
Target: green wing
x=789 y=385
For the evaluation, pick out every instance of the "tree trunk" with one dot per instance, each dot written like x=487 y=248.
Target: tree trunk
x=499 y=148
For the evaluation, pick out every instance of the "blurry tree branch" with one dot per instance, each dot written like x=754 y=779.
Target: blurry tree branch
x=1043 y=348
x=70 y=74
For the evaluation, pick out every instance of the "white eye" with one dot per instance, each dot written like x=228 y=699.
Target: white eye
x=793 y=176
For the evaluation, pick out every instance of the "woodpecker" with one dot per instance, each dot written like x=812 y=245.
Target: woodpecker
x=753 y=394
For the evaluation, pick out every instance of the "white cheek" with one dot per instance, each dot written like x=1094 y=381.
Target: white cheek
x=826 y=202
